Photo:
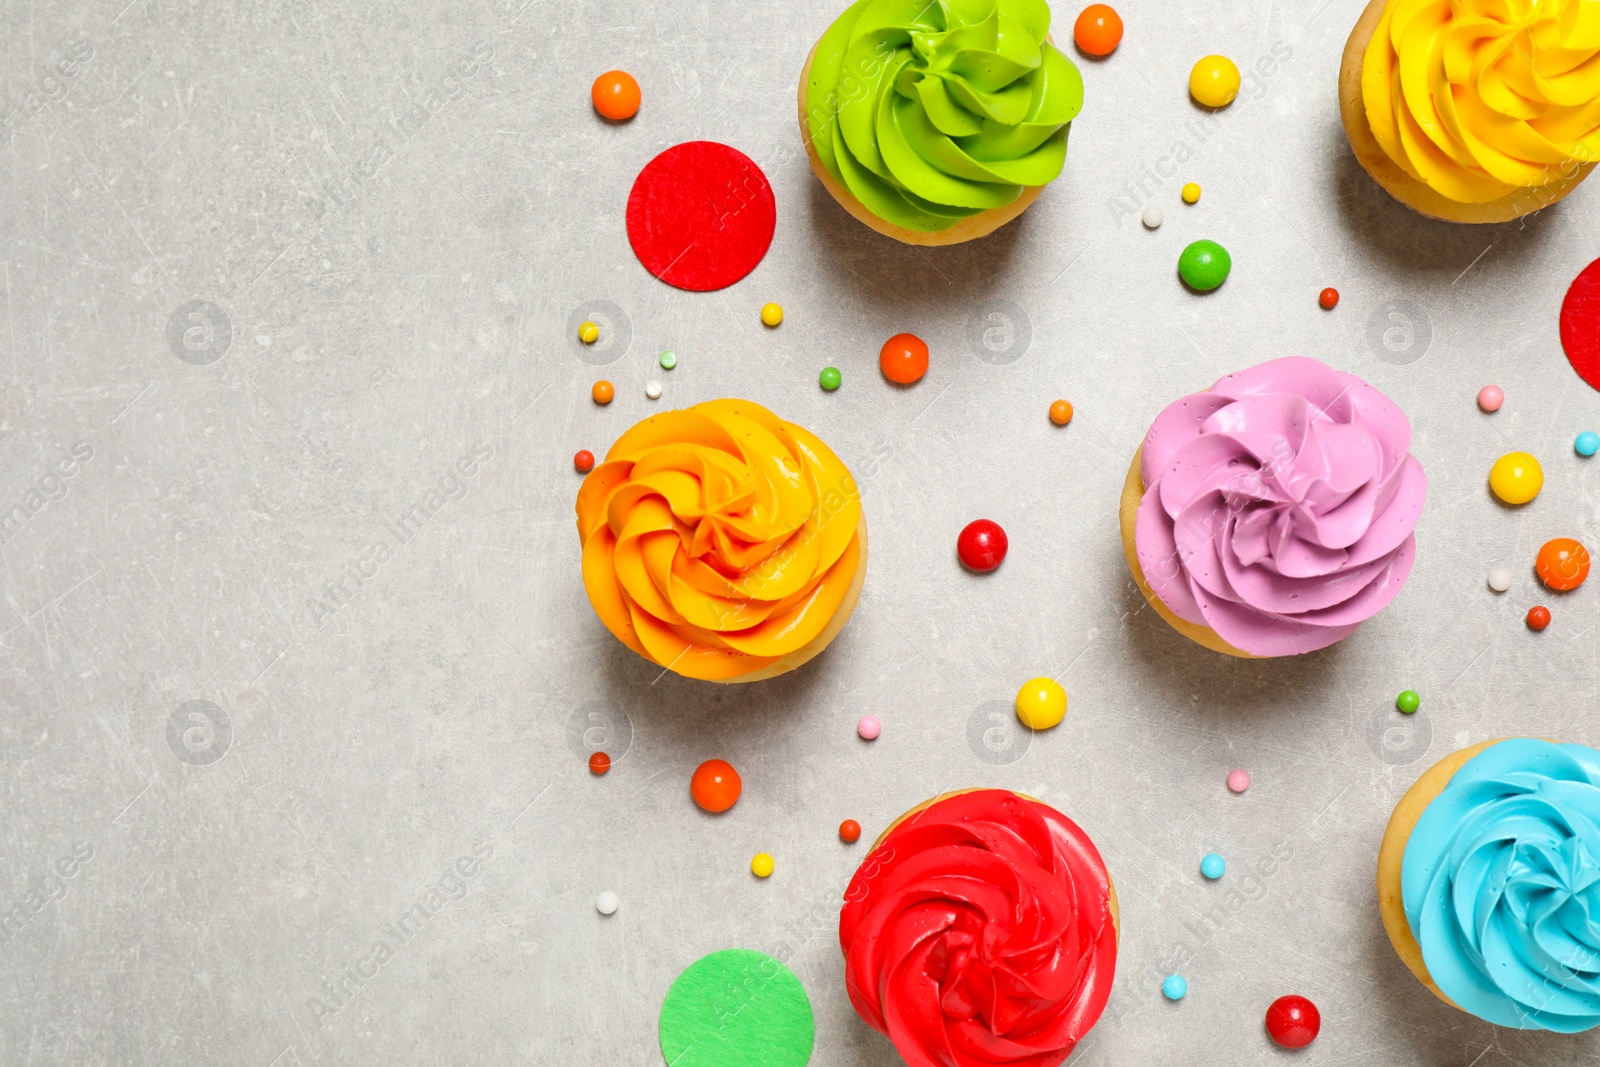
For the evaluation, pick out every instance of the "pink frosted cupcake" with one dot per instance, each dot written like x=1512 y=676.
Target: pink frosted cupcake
x=1274 y=513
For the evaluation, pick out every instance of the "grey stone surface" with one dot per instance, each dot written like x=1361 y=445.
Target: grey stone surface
x=271 y=270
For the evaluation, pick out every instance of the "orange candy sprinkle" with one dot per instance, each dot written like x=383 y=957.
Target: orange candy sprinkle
x=599 y=763
x=1563 y=564
x=904 y=358
x=1061 y=413
x=1098 y=30
x=715 y=785
x=603 y=391
x=849 y=831
x=615 y=95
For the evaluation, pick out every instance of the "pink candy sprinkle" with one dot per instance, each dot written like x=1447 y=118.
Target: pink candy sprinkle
x=869 y=728
x=1490 y=397
x=1238 y=781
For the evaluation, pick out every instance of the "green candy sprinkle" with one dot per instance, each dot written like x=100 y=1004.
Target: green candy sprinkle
x=1204 y=265
x=830 y=378
x=1408 y=702
x=669 y=359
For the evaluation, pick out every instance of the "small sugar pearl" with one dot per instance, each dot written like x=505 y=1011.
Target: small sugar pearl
x=1174 y=988
x=1213 y=865
x=1153 y=217
x=1587 y=443
x=1238 y=781
x=1490 y=397
x=669 y=359
x=869 y=727
x=653 y=390
x=1500 y=579
x=606 y=902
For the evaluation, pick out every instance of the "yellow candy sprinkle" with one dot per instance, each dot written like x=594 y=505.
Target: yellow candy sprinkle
x=1041 y=703
x=1214 y=81
x=761 y=865
x=588 y=333
x=1516 y=477
x=771 y=314
x=1191 y=193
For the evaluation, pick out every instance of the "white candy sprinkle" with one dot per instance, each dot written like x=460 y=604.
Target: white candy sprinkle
x=1499 y=579
x=653 y=390
x=606 y=902
x=1152 y=217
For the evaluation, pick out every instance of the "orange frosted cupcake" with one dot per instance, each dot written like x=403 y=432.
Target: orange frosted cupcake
x=721 y=542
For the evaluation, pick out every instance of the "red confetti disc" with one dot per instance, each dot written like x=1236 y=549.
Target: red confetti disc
x=701 y=216
x=1580 y=324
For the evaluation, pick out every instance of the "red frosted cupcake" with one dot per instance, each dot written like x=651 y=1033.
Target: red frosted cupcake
x=981 y=930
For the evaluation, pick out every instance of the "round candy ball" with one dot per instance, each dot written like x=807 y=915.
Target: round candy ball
x=1204 y=265
x=1538 y=617
x=903 y=358
x=615 y=95
x=1061 y=412
x=583 y=461
x=603 y=391
x=1587 y=443
x=1500 y=579
x=715 y=785
x=771 y=314
x=599 y=763
x=668 y=360
x=1174 y=987
x=762 y=865
x=1213 y=866
x=1098 y=30
x=588 y=332
x=869 y=728
x=849 y=831
x=652 y=390
x=1408 y=702
x=982 y=545
x=1041 y=703
x=1190 y=192
x=1238 y=781
x=1153 y=217
x=1490 y=397
x=1563 y=564
x=1214 y=81
x=830 y=378
x=1516 y=478
x=605 y=902
x=1293 y=1021
x=1328 y=298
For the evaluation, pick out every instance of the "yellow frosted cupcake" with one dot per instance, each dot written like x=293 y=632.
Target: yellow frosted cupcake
x=1474 y=111
x=721 y=542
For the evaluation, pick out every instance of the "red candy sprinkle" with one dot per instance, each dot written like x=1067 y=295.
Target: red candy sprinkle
x=849 y=831
x=583 y=461
x=904 y=358
x=1293 y=1021
x=701 y=216
x=1580 y=324
x=715 y=785
x=1538 y=617
x=599 y=763
x=1329 y=298
x=982 y=545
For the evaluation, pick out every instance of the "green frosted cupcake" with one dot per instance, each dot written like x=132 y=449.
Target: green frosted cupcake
x=937 y=121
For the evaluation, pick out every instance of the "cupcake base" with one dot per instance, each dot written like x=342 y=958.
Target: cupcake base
x=813 y=647
x=1391 y=854
x=1116 y=914
x=1132 y=495
x=1416 y=195
x=967 y=229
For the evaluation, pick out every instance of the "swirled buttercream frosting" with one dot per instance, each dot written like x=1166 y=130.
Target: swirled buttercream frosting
x=929 y=111
x=980 y=932
x=1279 y=506
x=718 y=539
x=1501 y=884
x=1481 y=98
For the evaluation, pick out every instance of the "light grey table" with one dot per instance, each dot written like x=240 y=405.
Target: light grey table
x=390 y=215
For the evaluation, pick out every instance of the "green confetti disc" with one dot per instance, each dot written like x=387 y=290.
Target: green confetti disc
x=736 y=1008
